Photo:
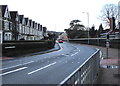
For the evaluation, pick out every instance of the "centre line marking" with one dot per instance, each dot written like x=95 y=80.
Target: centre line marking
x=41 y=68
x=13 y=71
x=17 y=65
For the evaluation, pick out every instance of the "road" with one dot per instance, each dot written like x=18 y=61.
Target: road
x=49 y=68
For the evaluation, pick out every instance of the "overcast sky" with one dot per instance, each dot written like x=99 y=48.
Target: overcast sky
x=57 y=14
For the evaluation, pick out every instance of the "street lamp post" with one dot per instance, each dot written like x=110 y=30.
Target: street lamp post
x=88 y=24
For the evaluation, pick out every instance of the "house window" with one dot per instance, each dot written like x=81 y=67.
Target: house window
x=6 y=25
x=0 y=37
x=8 y=36
x=10 y=25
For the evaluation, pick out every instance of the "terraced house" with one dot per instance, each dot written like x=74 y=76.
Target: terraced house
x=6 y=24
x=15 y=24
x=17 y=27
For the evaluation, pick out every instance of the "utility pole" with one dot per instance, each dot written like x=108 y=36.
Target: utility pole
x=88 y=24
x=88 y=27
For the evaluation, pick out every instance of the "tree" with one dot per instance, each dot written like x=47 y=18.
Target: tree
x=109 y=11
x=74 y=22
x=93 y=32
x=76 y=30
x=100 y=30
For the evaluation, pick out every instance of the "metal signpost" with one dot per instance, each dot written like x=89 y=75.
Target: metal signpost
x=112 y=28
x=107 y=45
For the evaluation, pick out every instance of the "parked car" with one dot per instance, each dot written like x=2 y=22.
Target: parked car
x=60 y=41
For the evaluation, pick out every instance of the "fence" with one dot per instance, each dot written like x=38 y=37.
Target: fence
x=114 y=43
x=86 y=74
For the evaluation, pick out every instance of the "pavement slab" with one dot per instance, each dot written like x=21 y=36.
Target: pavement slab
x=109 y=62
x=6 y=58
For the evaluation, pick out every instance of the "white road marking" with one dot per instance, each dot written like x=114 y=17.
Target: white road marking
x=13 y=71
x=10 y=47
x=74 y=54
x=41 y=68
x=61 y=48
x=17 y=65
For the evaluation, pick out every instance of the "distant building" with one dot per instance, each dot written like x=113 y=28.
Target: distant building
x=63 y=36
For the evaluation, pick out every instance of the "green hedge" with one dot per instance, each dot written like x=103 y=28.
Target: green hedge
x=13 y=48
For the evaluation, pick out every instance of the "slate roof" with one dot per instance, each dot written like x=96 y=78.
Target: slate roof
x=41 y=27
x=21 y=18
x=38 y=26
x=30 y=22
x=4 y=7
x=13 y=15
x=26 y=21
x=33 y=24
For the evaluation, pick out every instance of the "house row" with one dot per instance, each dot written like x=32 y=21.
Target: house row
x=17 y=27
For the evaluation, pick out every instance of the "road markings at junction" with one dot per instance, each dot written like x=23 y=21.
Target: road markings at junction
x=13 y=71
x=74 y=54
x=41 y=68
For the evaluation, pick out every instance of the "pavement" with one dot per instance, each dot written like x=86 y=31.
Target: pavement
x=109 y=67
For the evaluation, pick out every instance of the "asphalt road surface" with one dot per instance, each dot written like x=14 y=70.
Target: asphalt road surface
x=48 y=68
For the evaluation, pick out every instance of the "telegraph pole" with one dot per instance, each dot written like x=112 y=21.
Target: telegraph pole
x=88 y=24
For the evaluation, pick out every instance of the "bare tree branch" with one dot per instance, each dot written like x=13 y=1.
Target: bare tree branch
x=109 y=11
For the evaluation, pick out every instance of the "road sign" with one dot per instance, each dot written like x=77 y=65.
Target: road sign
x=107 y=44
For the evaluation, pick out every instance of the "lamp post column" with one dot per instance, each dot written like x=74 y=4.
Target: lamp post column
x=88 y=27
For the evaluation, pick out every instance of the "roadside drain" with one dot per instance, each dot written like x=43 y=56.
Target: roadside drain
x=110 y=66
